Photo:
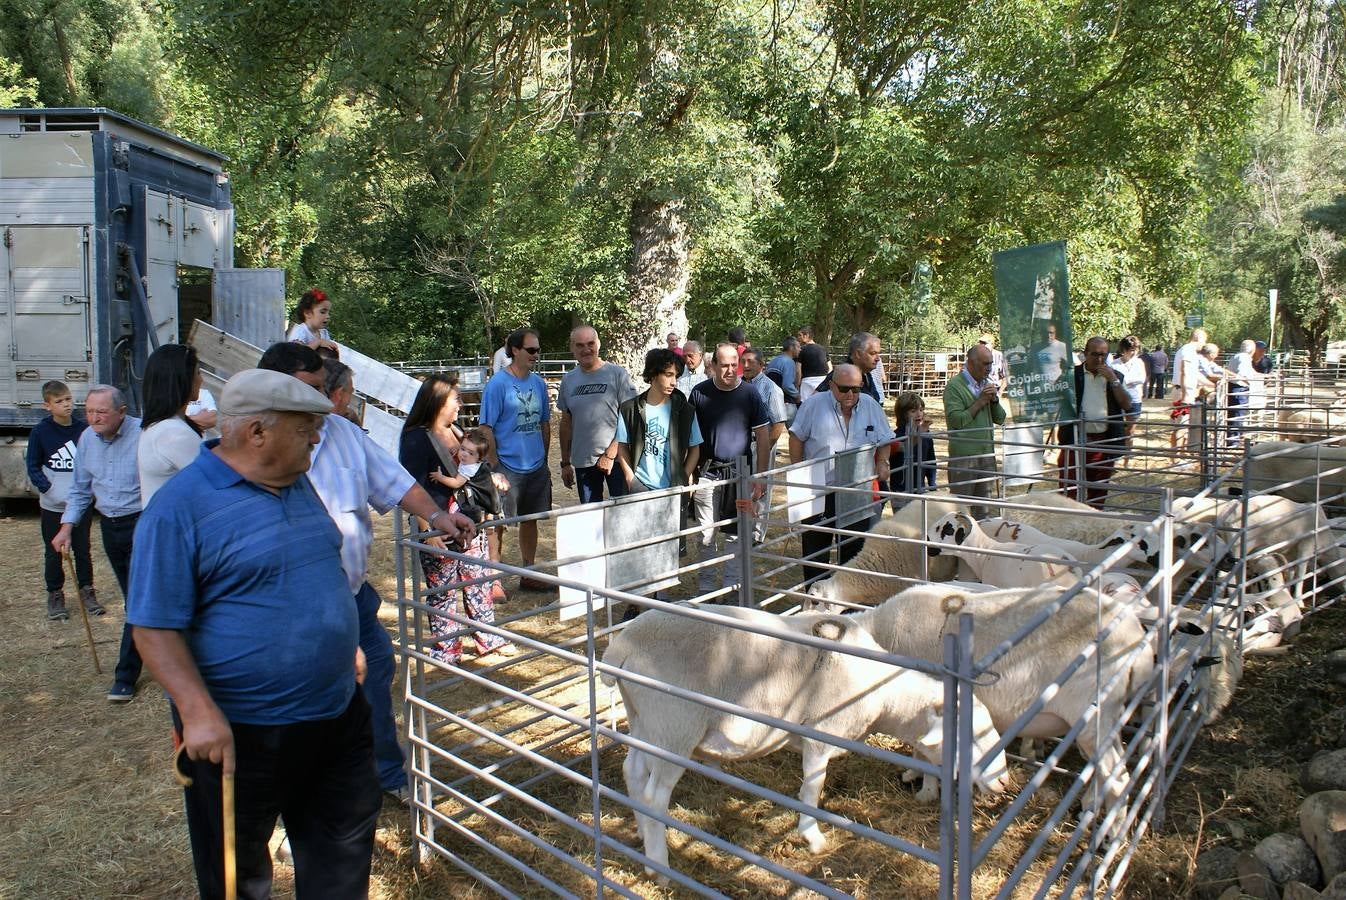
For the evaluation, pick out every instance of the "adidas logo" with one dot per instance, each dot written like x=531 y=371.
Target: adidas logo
x=63 y=459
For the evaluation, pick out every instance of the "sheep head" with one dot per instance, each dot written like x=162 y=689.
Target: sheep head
x=951 y=528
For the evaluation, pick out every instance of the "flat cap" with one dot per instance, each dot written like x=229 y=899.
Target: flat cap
x=255 y=391
x=1260 y=345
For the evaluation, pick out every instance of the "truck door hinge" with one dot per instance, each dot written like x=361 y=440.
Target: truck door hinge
x=9 y=238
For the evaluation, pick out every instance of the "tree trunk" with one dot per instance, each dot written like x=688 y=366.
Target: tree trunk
x=657 y=283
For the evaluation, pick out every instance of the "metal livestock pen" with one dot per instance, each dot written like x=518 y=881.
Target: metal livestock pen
x=516 y=761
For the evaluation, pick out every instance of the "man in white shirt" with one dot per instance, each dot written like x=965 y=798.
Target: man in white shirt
x=832 y=421
x=1186 y=386
x=694 y=368
x=1103 y=403
x=350 y=472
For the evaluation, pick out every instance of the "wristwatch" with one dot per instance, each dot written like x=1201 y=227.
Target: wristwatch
x=434 y=515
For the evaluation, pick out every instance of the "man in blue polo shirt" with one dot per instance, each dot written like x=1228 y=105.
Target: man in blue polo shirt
x=242 y=612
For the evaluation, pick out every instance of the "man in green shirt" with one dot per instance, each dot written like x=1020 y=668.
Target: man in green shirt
x=972 y=409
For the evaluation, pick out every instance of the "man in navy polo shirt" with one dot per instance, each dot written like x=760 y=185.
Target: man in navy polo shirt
x=242 y=611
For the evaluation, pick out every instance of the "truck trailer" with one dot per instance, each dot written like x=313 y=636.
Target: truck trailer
x=114 y=237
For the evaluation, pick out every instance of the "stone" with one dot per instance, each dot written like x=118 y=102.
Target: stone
x=1289 y=858
x=1215 y=872
x=1335 y=663
x=1326 y=771
x=1255 y=878
x=1322 y=821
x=1298 y=890
x=1336 y=889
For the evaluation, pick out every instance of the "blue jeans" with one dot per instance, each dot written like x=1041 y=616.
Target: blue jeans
x=589 y=482
x=381 y=666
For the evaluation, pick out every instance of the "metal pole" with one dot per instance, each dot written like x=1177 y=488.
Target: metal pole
x=592 y=652
x=1163 y=652
x=964 y=756
x=948 y=825
x=743 y=513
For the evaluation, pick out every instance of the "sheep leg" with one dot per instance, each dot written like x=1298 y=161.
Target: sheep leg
x=637 y=774
x=816 y=757
x=1110 y=774
x=655 y=793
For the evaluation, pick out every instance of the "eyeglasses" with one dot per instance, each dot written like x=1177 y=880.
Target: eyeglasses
x=847 y=388
x=533 y=350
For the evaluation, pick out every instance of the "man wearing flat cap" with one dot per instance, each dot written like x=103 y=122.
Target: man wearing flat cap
x=242 y=611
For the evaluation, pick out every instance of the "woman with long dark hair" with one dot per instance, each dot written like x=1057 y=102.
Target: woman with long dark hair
x=429 y=449
x=169 y=441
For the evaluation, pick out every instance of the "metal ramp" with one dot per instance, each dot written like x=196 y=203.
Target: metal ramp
x=383 y=394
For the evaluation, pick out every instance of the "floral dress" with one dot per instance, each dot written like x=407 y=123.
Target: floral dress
x=477 y=600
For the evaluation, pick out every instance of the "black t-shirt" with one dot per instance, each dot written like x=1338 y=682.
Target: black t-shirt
x=813 y=360
x=726 y=419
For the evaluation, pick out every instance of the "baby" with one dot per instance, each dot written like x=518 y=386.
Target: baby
x=476 y=492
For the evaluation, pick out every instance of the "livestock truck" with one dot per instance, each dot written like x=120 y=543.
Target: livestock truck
x=114 y=237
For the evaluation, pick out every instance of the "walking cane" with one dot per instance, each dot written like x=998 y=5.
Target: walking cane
x=84 y=613
x=227 y=802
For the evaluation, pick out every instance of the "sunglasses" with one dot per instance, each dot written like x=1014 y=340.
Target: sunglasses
x=533 y=350
x=847 y=388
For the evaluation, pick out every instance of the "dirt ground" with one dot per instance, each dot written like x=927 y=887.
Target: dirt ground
x=88 y=806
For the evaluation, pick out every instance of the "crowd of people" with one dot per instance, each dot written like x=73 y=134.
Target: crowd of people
x=239 y=529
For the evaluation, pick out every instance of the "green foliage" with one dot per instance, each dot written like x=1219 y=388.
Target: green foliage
x=15 y=89
x=446 y=172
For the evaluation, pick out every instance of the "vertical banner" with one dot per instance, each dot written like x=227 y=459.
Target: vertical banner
x=1033 y=298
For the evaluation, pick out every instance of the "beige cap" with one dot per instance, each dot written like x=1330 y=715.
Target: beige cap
x=255 y=391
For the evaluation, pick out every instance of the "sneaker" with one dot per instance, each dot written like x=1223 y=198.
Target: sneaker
x=121 y=693
x=399 y=793
x=56 y=611
x=506 y=650
x=90 y=600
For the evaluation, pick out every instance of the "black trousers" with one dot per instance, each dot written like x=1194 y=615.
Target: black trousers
x=319 y=778
x=117 y=535
x=817 y=545
x=53 y=565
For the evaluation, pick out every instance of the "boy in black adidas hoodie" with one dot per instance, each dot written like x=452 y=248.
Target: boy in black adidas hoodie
x=51 y=469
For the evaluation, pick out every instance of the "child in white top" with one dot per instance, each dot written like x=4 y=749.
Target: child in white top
x=314 y=310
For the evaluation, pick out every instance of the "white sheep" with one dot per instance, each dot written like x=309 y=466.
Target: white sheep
x=1054 y=516
x=958 y=534
x=1298 y=531
x=830 y=691
x=914 y=622
x=1319 y=472
x=892 y=558
x=1009 y=529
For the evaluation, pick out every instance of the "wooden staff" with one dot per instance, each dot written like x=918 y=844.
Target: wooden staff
x=227 y=802
x=84 y=613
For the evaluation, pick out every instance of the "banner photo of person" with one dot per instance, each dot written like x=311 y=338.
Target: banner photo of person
x=1033 y=299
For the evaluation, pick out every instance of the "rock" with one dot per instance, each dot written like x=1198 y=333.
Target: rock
x=1298 y=890
x=1336 y=889
x=1322 y=821
x=1335 y=663
x=1215 y=871
x=1255 y=878
x=1233 y=893
x=1325 y=772
x=1289 y=858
